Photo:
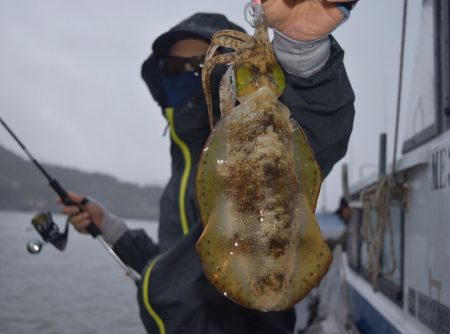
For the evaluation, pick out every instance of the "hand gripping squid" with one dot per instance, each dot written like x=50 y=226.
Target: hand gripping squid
x=257 y=182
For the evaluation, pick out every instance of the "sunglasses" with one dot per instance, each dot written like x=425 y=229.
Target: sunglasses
x=173 y=65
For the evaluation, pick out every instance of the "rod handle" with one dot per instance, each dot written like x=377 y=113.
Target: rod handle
x=62 y=193
x=93 y=230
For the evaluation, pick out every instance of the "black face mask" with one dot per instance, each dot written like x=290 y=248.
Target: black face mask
x=181 y=87
x=190 y=114
x=190 y=118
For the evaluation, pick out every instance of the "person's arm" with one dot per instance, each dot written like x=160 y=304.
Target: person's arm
x=323 y=105
x=318 y=91
x=301 y=32
x=136 y=248
x=133 y=247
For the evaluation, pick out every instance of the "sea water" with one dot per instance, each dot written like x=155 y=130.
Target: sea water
x=79 y=291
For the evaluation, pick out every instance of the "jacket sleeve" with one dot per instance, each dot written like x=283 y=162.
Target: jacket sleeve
x=135 y=248
x=323 y=105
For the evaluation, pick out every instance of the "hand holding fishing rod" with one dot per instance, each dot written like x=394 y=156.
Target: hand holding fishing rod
x=84 y=213
x=49 y=230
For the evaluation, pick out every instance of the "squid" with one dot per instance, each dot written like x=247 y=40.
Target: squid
x=257 y=182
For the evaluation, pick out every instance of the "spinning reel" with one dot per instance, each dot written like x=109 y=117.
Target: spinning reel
x=49 y=232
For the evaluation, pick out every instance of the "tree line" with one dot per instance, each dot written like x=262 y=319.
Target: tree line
x=24 y=188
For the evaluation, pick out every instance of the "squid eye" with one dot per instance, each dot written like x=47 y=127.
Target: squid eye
x=232 y=78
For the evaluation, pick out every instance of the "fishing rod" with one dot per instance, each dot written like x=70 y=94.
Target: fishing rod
x=45 y=225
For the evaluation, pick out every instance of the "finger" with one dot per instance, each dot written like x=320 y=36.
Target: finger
x=82 y=227
x=70 y=210
x=80 y=221
x=81 y=230
x=77 y=219
x=78 y=203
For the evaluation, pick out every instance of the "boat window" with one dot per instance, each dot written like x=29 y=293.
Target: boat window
x=419 y=111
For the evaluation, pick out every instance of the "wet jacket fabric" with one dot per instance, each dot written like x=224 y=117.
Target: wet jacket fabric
x=174 y=295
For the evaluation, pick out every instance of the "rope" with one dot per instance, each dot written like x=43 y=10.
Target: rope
x=377 y=198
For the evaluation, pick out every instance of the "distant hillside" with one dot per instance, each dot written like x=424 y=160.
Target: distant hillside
x=24 y=188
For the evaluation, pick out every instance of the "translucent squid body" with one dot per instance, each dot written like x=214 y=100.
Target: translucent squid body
x=257 y=183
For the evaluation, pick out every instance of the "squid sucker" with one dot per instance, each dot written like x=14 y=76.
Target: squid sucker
x=257 y=183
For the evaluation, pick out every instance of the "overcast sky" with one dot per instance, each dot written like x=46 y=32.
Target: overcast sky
x=70 y=83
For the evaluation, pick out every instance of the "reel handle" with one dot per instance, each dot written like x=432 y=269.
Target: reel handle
x=62 y=193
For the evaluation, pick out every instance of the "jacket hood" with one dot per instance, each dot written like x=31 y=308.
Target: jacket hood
x=199 y=25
